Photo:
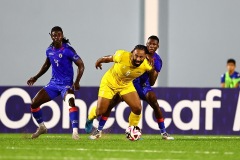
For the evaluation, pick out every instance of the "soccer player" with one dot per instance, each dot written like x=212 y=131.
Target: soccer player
x=60 y=56
x=143 y=86
x=118 y=80
x=231 y=78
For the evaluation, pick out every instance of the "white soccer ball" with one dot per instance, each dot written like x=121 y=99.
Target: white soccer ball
x=133 y=133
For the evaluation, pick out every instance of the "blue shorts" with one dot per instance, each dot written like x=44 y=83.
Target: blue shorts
x=143 y=89
x=55 y=90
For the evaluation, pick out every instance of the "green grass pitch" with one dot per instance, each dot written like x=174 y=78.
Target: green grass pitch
x=117 y=147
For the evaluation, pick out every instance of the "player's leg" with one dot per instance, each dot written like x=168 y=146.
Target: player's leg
x=131 y=97
x=89 y=122
x=141 y=95
x=40 y=98
x=133 y=100
x=105 y=95
x=69 y=99
x=97 y=133
x=152 y=101
x=102 y=105
x=115 y=101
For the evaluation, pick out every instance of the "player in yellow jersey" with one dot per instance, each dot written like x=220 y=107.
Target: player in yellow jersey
x=143 y=87
x=118 y=80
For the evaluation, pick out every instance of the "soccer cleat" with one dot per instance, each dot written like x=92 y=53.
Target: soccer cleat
x=40 y=130
x=166 y=136
x=75 y=136
x=95 y=135
x=88 y=126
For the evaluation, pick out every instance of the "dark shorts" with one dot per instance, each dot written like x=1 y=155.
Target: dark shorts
x=142 y=89
x=55 y=90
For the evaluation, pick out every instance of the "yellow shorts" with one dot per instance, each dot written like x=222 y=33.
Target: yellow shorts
x=108 y=92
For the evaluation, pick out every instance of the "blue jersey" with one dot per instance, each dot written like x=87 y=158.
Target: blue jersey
x=233 y=76
x=61 y=60
x=144 y=78
x=231 y=80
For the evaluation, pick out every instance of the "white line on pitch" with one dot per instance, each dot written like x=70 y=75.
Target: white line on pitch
x=101 y=150
x=219 y=137
x=210 y=137
x=123 y=150
x=69 y=158
x=206 y=152
x=38 y=157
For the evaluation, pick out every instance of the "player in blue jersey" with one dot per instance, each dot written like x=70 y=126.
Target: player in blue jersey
x=60 y=55
x=143 y=86
x=230 y=79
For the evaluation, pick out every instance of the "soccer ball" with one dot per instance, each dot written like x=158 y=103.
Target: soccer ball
x=133 y=133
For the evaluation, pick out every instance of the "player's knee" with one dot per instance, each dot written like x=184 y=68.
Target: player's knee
x=152 y=100
x=137 y=112
x=151 y=97
x=71 y=102
x=69 y=99
x=137 y=109
x=100 y=111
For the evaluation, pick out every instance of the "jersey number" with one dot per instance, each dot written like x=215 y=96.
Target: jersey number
x=56 y=61
x=127 y=73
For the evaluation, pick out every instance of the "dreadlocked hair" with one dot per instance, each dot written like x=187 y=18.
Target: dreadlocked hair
x=140 y=47
x=57 y=28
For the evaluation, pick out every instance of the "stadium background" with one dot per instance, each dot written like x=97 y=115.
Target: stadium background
x=196 y=39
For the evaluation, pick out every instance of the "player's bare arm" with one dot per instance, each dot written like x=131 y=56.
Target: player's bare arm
x=150 y=60
x=223 y=85
x=79 y=63
x=43 y=70
x=153 y=74
x=104 y=59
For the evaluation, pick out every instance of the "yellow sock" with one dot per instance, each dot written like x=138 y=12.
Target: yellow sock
x=92 y=114
x=134 y=119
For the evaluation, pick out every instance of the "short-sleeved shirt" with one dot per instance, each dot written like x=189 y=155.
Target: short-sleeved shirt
x=123 y=72
x=61 y=60
x=118 y=79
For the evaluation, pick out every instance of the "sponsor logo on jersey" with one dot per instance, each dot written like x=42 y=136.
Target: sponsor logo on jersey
x=75 y=57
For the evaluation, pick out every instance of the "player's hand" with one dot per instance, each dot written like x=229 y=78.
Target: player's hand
x=98 y=64
x=151 y=61
x=76 y=86
x=31 y=81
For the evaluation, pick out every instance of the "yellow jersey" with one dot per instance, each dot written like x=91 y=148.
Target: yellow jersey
x=123 y=71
